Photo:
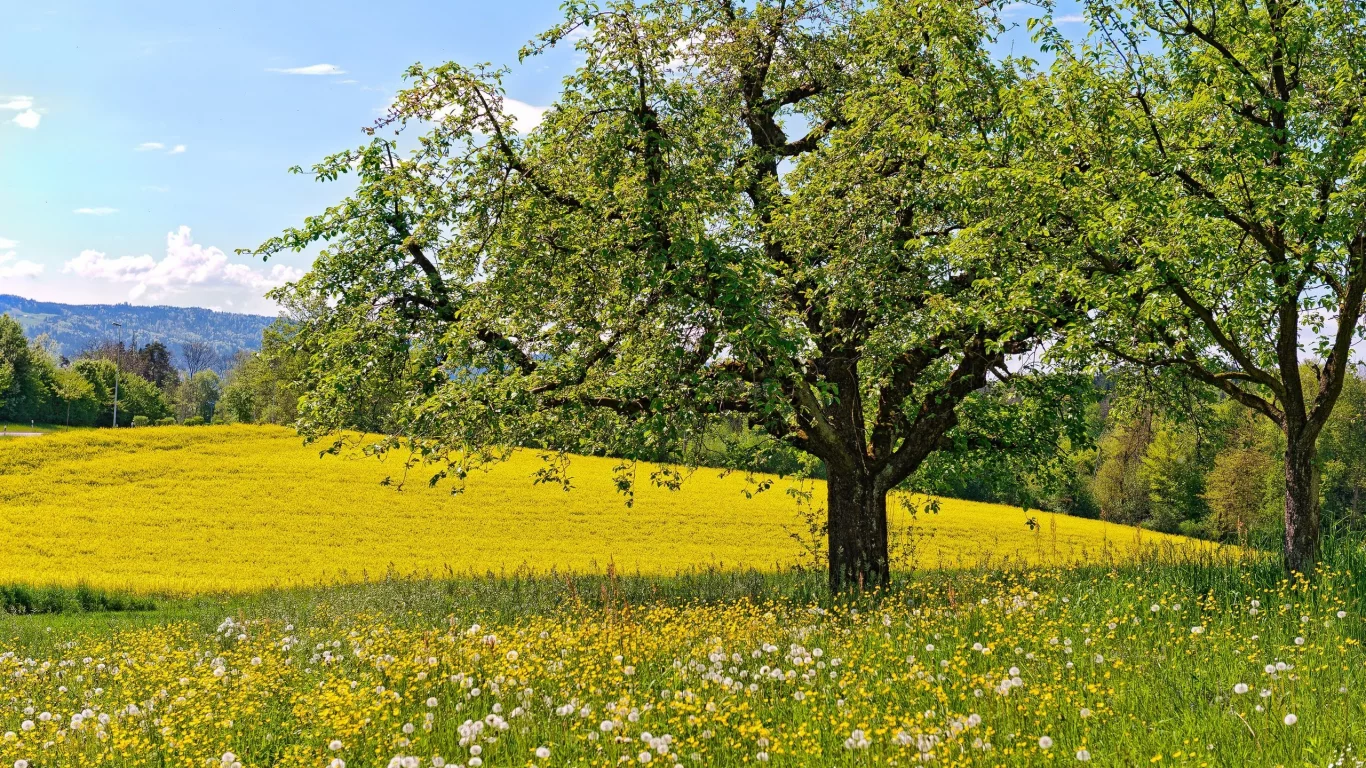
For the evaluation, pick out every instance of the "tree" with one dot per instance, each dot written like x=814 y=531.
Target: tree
x=197 y=356
x=1204 y=161
x=71 y=388
x=762 y=211
x=137 y=396
x=155 y=365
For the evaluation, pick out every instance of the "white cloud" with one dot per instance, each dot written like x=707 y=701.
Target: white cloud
x=7 y=243
x=526 y=115
x=150 y=145
x=178 y=149
x=312 y=69
x=18 y=102
x=1072 y=19
x=100 y=211
x=28 y=119
x=187 y=266
x=9 y=268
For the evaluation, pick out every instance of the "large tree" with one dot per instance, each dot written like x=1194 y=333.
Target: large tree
x=1206 y=161
x=772 y=211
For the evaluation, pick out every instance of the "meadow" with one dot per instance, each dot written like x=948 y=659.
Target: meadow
x=240 y=508
x=305 y=615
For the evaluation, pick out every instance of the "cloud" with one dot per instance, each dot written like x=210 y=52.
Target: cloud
x=28 y=119
x=525 y=116
x=1072 y=19
x=312 y=69
x=100 y=211
x=150 y=145
x=9 y=268
x=6 y=243
x=178 y=149
x=187 y=266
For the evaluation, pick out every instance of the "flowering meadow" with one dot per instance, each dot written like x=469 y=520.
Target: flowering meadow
x=1159 y=663
x=241 y=508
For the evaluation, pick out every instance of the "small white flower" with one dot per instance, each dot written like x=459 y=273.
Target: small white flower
x=476 y=750
x=645 y=757
x=1299 y=641
x=1045 y=742
x=1085 y=713
x=1083 y=756
x=606 y=726
x=542 y=752
x=1291 y=719
x=1240 y=688
x=512 y=655
x=1342 y=614
x=1197 y=630
x=337 y=762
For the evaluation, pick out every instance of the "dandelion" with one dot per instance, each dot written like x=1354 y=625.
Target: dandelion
x=337 y=762
x=1291 y=719
x=542 y=753
x=1299 y=641
x=645 y=757
x=1342 y=614
x=1197 y=630
x=1045 y=742
x=1083 y=756
x=1240 y=688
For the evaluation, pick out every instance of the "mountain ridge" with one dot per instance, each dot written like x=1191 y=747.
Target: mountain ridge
x=75 y=327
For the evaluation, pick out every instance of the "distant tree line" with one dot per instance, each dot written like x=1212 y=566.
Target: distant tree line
x=154 y=384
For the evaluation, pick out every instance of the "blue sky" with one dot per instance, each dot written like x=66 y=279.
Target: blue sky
x=141 y=143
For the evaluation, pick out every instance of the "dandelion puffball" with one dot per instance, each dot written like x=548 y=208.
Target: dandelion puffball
x=1240 y=688
x=1291 y=719
x=542 y=752
x=1045 y=742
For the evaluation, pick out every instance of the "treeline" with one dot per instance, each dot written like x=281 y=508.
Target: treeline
x=1202 y=466
x=154 y=385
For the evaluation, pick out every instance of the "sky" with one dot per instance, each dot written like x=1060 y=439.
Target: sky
x=142 y=143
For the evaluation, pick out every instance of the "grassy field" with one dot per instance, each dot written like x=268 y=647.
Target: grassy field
x=1157 y=662
x=186 y=510
x=1070 y=643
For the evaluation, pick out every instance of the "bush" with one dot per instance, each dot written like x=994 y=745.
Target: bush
x=141 y=421
x=21 y=599
x=194 y=421
x=169 y=421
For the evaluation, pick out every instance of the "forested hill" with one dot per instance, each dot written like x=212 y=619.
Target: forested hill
x=77 y=326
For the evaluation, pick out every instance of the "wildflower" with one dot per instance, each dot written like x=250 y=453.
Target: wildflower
x=512 y=656
x=1085 y=713
x=857 y=740
x=337 y=762
x=645 y=757
x=1045 y=742
x=1342 y=614
x=1291 y=719
x=334 y=745
x=542 y=753
x=1083 y=756
x=1240 y=688
x=1196 y=630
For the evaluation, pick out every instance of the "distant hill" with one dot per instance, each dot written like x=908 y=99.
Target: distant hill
x=77 y=326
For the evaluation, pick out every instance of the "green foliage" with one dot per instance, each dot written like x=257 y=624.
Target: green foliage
x=168 y=421
x=22 y=599
x=194 y=421
x=263 y=387
x=137 y=396
x=141 y=421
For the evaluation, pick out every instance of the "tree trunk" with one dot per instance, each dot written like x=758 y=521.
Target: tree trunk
x=1301 y=504
x=857 y=517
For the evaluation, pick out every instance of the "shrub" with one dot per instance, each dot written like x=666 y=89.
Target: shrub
x=141 y=421
x=194 y=421
x=169 y=421
x=22 y=599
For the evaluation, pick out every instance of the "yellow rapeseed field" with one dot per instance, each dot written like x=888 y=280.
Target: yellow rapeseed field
x=240 y=508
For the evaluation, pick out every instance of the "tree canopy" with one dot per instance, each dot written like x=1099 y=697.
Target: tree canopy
x=782 y=212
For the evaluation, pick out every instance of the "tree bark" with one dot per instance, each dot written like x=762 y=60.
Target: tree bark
x=857 y=522
x=1301 y=504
